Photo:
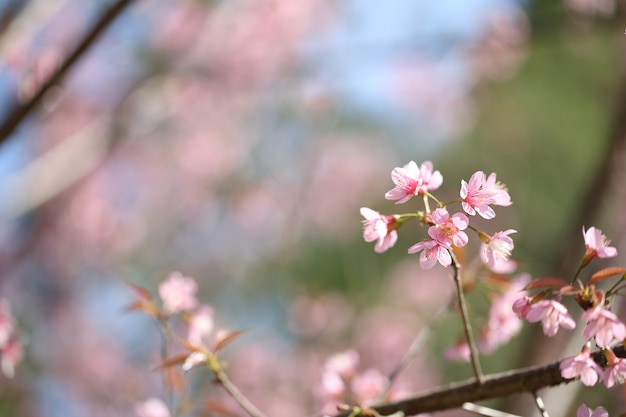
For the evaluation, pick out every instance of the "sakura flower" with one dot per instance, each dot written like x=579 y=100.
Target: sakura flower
x=603 y=325
x=449 y=230
x=615 y=371
x=381 y=228
x=581 y=366
x=521 y=307
x=343 y=364
x=480 y=193
x=584 y=411
x=503 y=322
x=597 y=245
x=12 y=354
x=412 y=181
x=367 y=386
x=178 y=293
x=152 y=407
x=201 y=325
x=460 y=351
x=6 y=322
x=495 y=253
x=432 y=251
x=552 y=314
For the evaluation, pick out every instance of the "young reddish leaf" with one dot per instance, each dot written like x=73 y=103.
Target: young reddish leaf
x=146 y=306
x=606 y=273
x=227 y=339
x=546 y=283
x=143 y=293
x=568 y=289
x=174 y=360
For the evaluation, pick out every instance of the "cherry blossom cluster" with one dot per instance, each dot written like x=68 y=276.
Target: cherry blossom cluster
x=602 y=326
x=342 y=383
x=446 y=231
x=11 y=348
x=203 y=340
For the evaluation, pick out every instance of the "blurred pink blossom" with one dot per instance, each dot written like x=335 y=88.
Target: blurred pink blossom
x=368 y=386
x=178 y=293
x=584 y=411
x=201 y=325
x=521 y=307
x=152 y=407
x=343 y=363
x=412 y=180
x=481 y=192
x=460 y=351
x=503 y=323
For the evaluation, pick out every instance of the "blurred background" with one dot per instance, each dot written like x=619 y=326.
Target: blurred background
x=235 y=141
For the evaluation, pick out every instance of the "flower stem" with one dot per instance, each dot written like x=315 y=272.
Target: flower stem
x=234 y=392
x=469 y=337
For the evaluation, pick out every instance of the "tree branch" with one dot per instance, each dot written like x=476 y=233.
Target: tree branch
x=20 y=111
x=527 y=380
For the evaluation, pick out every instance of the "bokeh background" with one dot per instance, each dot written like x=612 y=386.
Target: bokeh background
x=236 y=140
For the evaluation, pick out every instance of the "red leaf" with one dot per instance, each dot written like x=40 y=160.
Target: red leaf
x=546 y=283
x=226 y=340
x=143 y=293
x=174 y=360
x=607 y=273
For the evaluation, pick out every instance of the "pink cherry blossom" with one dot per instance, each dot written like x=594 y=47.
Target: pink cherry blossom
x=597 y=244
x=6 y=322
x=12 y=354
x=449 y=230
x=379 y=227
x=495 y=253
x=152 y=407
x=615 y=371
x=581 y=366
x=552 y=314
x=503 y=322
x=343 y=363
x=480 y=193
x=521 y=307
x=584 y=411
x=201 y=325
x=178 y=293
x=412 y=181
x=603 y=325
x=368 y=385
x=432 y=251
x=460 y=351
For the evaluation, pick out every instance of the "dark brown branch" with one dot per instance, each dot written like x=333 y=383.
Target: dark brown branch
x=20 y=111
x=527 y=380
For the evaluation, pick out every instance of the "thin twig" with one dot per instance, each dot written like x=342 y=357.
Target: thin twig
x=467 y=326
x=486 y=411
x=494 y=386
x=415 y=347
x=19 y=112
x=236 y=394
x=540 y=405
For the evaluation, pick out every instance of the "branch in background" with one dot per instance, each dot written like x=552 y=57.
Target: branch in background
x=20 y=111
x=527 y=380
